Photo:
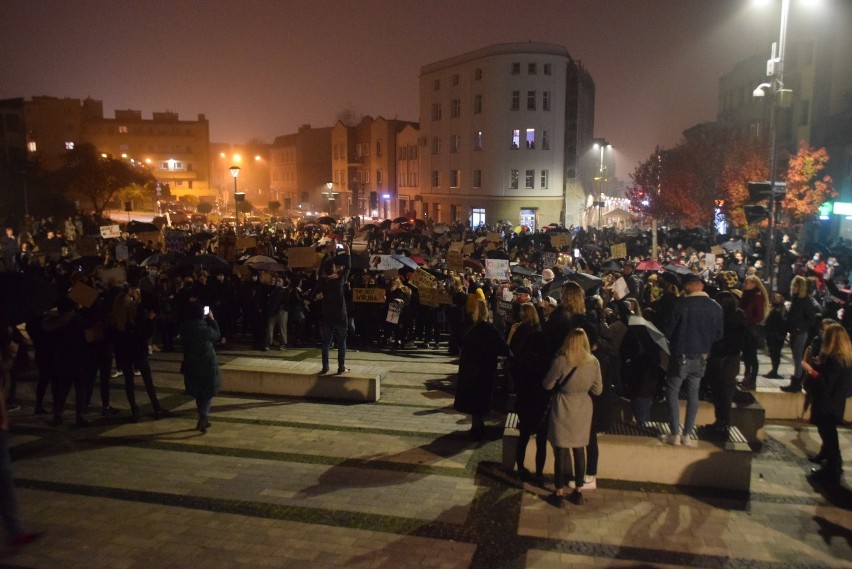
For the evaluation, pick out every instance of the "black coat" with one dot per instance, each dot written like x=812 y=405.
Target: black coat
x=531 y=362
x=480 y=348
x=829 y=391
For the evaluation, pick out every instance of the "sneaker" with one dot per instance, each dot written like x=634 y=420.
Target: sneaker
x=137 y=373
x=343 y=370
x=23 y=538
x=791 y=388
x=589 y=482
x=688 y=441
x=115 y=374
x=673 y=440
x=557 y=500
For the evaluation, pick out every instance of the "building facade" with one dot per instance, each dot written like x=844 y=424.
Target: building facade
x=502 y=133
x=300 y=167
x=253 y=159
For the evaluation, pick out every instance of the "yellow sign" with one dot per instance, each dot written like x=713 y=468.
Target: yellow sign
x=618 y=251
x=560 y=240
x=374 y=295
x=455 y=261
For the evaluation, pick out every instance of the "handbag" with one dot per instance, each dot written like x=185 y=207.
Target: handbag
x=552 y=396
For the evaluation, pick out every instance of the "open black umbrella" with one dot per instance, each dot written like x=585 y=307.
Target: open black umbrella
x=24 y=296
x=521 y=270
x=678 y=269
x=200 y=237
x=732 y=246
x=648 y=331
x=497 y=254
x=611 y=267
x=160 y=258
x=141 y=227
x=586 y=281
x=401 y=220
x=86 y=262
x=360 y=261
x=206 y=261
x=326 y=220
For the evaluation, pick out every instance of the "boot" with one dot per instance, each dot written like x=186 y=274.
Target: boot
x=202 y=424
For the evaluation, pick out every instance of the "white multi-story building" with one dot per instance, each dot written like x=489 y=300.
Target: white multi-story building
x=501 y=131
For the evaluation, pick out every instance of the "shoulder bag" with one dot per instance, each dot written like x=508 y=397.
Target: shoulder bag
x=559 y=385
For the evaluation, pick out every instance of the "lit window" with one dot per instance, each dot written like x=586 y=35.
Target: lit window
x=513 y=179
x=529 y=181
x=379 y=177
x=477 y=140
x=477 y=178
x=516 y=139
x=516 y=100
x=530 y=100
x=378 y=148
x=477 y=104
x=122 y=129
x=544 y=179
x=32 y=146
x=545 y=100
x=69 y=146
x=455 y=178
x=531 y=139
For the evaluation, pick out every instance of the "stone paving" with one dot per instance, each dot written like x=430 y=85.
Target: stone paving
x=393 y=484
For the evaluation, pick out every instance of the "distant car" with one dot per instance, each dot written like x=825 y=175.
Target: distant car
x=228 y=220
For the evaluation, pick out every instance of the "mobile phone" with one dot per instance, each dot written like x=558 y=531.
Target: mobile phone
x=576 y=252
x=206 y=311
x=339 y=246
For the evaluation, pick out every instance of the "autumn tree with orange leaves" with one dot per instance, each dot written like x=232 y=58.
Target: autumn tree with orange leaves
x=806 y=191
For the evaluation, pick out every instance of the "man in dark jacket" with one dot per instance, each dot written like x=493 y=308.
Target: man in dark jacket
x=330 y=293
x=695 y=324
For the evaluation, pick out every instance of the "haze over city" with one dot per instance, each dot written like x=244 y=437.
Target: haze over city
x=259 y=70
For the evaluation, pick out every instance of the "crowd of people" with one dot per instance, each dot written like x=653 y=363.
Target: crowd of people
x=574 y=328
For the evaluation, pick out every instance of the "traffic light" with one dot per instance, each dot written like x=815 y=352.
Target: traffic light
x=755 y=213
x=758 y=191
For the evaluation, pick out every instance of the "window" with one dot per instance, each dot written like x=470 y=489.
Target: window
x=477 y=216
x=366 y=176
x=436 y=179
x=530 y=139
x=455 y=178
x=477 y=104
x=532 y=69
x=516 y=68
x=412 y=153
x=455 y=80
x=545 y=140
x=516 y=100
x=477 y=74
x=436 y=145
x=403 y=153
x=379 y=177
x=32 y=146
x=69 y=146
x=122 y=129
x=547 y=69
x=455 y=108
x=545 y=100
x=477 y=178
x=516 y=139
x=436 y=111
x=436 y=84
x=378 y=148
x=513 y=179
x=530 y=100
x=529 y=181
x=477 y=140
x=455 y=142
x=544 y=179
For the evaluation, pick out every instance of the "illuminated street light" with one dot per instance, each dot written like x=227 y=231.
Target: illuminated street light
x=235 y=171
x=600 y=179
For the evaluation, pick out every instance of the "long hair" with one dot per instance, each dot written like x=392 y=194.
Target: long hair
x=480 y=310
x=799 y=286
x=123 y=311
x=758 y=284
x=573 y=298
x=576 y=348
x=529 y=315
x=836 y=344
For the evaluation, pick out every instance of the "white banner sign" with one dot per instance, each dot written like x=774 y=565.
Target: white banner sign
x=497 y=269
x=383 y=263
x=110 y=231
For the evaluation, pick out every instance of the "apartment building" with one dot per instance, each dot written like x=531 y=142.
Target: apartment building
x=300 y=167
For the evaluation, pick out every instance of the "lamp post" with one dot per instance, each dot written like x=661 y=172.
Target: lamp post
x=600 y=179
x=329 y=194
x=780 y=98
x=235 y=171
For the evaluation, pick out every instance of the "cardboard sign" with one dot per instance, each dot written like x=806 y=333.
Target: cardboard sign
x=121 y=252
x=394 y=310
x=383 y=263
x=428 y=296
x=116 y=275
x=468 y=248
x=560 y=240
x=110 y=231
x=445 y=297
x=244 y=243
x=265 y=278
x=497 y=269
x=494 y=237
x=620 y=289
x=717 y=250
x=455 y=261
x=373 y=295
x=421 y=279
x=83 y=294
x=618 y=251
x=456 y=247
x=301 y=257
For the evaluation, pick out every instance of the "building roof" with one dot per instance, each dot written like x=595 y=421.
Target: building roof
x=497 y=49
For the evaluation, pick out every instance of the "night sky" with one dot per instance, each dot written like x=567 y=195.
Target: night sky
x=259 y=69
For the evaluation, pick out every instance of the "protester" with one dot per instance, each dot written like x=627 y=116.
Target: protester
x=199 y=333
x=330 y=292
x=802 y=319
x=724 y=362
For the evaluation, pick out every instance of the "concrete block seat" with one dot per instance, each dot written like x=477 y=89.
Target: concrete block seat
x=266 y=376
x=634 y=453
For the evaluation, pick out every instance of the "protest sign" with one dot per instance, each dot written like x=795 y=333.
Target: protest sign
x=428 y=296
x=618 y=251
x=497 y=269
x=244 y=243
x=110 y=231
x=455 y=261
x=421 y=279
x=384 y=263
x=549 y=260
x=121 y=252
x=456 y=246
x=494 y=237
x=301 y=257
x=372 y=295
x=83 y=294
x=394 y=310
x=560 y=240
x=468 y=248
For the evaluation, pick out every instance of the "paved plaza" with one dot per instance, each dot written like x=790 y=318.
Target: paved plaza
x=394 y=484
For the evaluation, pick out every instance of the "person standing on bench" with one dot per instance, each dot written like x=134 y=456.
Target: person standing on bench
x=695 y=324
x=334 y=273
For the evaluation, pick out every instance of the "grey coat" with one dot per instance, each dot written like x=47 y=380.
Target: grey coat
x=570 y=421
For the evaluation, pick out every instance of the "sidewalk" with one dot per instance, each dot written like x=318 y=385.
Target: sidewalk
x=395 y=484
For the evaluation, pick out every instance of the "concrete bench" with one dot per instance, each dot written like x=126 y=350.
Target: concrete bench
x=634 y=453
x=782 y=405
x=266 y=376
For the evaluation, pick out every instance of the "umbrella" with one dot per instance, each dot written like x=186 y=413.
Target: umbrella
x=521 y=229
x=271 y=267
x=731 y=246
x=586 y=281
x=369 y=227
x=648 y=331
x=256 y=259
x=400 y=220
x=441 y=228
x=206 y=261
x=591 y=247
x=678 y=269
x=160 y=258
x=407 y=261
x=24 y=296
x=648 y=265
x=473 y=264
x=141 y=227
x=326 y=220
x=497 y=254
x=521 y=270
x=611 y=267
x=359 y=261
x=417 y=259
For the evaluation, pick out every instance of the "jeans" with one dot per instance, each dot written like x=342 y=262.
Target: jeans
x=279 y=320
x=328 y=331
x=798 y=342
x=690 y=370
x=8 y=500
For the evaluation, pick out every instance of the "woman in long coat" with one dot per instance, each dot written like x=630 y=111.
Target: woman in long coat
x=200 y=369
x=480 y=348
x=576 y=374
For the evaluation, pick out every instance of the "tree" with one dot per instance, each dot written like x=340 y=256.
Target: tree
x=273 y=206
x=205 y=207
x=91 y=178
x=245 y=206
x=747 y=162
x=805 y=191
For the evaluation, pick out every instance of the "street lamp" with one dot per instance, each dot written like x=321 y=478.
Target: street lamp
x=329 y=194
x=600 y=179
x=780 y=98
x=235 y=171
